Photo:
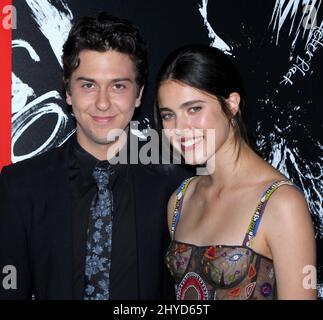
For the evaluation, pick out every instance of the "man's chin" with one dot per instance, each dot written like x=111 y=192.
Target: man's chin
x=104 y=141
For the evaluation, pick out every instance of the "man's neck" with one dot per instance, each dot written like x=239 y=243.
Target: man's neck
x=103 y=151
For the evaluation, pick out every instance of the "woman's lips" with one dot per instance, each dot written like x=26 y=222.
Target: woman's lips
x=188 y=144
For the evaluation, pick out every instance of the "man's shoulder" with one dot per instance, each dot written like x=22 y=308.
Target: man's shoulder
x=37 y=165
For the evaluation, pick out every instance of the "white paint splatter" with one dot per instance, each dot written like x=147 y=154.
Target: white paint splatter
x=288 y=160
x=54 y=24
x=66 y=138
x=19 y=43
x=301 y=13
x=320 y=290
x=32 y=112
x=216 y=41
x=20 y=92
x=138 y=133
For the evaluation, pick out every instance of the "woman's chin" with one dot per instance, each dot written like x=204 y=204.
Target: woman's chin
x=194 y=161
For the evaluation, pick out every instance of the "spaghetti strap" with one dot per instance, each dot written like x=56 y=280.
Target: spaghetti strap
x=178 y=204
x=256 y=217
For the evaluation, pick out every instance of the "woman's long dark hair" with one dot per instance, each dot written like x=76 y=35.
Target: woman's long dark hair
x=207 y=69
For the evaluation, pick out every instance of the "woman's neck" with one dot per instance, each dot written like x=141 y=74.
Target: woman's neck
x=230 y=164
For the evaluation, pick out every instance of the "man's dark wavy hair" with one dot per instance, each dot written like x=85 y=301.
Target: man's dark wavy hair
x=102 y=33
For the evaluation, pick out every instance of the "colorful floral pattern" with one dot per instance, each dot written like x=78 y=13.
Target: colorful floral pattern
x=221 y=272
x=192 y=287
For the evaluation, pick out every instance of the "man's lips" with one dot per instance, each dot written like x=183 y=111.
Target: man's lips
x=102 y=119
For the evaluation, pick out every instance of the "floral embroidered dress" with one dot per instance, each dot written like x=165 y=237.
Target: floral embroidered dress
x=218 y=272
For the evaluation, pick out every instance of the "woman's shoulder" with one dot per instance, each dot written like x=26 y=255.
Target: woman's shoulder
x=289 y=233
x=287 y=212
x=282 y=194
x=285 y=197
x=184 y=190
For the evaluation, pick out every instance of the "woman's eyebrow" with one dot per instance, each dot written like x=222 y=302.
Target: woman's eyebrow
x=191 y=102
x=183 y=105
x=164 y=109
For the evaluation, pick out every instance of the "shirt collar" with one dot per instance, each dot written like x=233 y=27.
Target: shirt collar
x=84 y=162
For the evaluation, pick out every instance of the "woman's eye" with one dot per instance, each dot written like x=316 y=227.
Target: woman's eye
x=194 y=109
x=167 y=116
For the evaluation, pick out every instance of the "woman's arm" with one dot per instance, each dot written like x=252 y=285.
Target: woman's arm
x=290 y=237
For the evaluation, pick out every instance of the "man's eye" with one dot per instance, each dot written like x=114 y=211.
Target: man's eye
x=88 y=85
x=119 y=86
x=194 y=109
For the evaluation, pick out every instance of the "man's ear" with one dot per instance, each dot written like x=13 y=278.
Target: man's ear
x=234 y=102
x=138 y=99
x=68 y=98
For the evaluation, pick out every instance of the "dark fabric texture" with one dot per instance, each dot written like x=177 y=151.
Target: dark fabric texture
x=36 y=226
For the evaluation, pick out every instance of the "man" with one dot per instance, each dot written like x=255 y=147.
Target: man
x=57 y=210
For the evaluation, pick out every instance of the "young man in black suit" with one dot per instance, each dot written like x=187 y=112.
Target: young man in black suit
x=45 y=202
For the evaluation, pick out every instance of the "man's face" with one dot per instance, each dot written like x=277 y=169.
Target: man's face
x=103 y=95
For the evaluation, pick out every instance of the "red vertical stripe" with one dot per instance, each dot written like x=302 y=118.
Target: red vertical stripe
x=5 y=84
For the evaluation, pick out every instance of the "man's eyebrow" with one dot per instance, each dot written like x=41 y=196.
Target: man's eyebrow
x=122 y=79
x=113 y=80
x=84 y=79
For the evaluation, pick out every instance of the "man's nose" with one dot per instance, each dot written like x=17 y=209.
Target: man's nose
x=103 y=101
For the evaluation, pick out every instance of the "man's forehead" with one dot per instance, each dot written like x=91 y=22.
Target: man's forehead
x=112 y=55
x=108 y=65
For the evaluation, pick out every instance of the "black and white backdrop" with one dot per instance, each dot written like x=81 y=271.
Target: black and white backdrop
x=277 y=44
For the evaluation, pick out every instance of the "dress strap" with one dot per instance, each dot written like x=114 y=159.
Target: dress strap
x=256 y=217
x=178 y=204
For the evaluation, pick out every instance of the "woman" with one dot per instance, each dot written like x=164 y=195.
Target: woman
x=243 y=231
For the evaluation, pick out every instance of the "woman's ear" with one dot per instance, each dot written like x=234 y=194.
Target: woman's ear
x=234 y=102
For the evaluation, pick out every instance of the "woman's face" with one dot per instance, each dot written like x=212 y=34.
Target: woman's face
x=194 y=121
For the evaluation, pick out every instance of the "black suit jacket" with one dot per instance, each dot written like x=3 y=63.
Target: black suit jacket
x=36 y=227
